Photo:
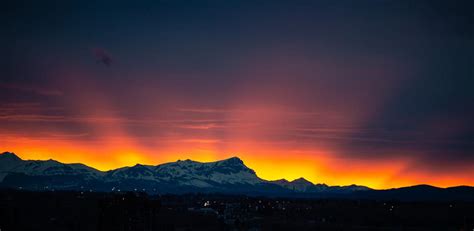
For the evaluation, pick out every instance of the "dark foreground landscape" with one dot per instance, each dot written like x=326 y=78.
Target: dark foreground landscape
x=26 y=210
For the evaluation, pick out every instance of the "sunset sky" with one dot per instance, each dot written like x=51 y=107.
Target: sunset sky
x=378 y=93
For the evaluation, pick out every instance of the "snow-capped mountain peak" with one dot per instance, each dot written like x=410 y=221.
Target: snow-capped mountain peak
x=138 y=171
x=206 y=174
x=10 y=164
x=8 y=160
x=9 y=156
x=231 y=161
x=188 y=173
x=299 y=185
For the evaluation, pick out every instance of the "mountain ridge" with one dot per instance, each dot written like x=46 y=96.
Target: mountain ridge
x=230 y=176
x=234 y=160
x=231 y=170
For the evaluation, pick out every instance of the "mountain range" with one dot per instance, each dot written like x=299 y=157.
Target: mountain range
x=230 y=176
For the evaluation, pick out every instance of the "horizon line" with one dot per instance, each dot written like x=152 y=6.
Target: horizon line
x=243 y=162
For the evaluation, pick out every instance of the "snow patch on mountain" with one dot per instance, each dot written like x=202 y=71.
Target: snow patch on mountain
x=299 y=185
x=10 y=163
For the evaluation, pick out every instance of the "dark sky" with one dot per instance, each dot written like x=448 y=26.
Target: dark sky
x=372 y=92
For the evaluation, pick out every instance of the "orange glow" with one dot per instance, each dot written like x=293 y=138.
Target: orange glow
x=318 y=167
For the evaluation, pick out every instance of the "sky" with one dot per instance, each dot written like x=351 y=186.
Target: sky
x=377 y=93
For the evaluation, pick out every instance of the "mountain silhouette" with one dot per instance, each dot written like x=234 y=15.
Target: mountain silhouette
x=229 y=176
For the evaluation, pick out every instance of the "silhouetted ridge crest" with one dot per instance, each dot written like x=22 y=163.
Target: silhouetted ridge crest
x=301 y=180
x=9 y=155
x=233 y=161
x=225 y=176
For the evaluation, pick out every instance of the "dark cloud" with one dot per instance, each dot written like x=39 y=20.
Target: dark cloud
x=102 y=56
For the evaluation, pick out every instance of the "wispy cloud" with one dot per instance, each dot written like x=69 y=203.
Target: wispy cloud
x=203 y=141
x=206 y=110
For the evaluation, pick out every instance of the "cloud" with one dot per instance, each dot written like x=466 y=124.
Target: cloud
x=32 y=89
x=102 y=56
